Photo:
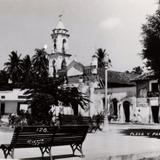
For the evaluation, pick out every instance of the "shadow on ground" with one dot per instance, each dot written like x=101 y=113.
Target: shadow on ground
x=120 y=157
x=54 y=157
x=150 y=133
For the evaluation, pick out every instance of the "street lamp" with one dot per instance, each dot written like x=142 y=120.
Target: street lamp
x=107 y=64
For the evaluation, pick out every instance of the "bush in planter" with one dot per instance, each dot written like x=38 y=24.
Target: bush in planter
x=19 y=120
x=97 y=121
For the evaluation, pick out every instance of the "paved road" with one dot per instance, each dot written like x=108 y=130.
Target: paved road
x=109 y=144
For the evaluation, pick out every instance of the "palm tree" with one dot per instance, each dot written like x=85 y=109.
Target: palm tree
x=101 y=53
x=13 y=67
x=4 y=80
x=71 y=96
x=41 y=96
x=40 y=64
x=45 y=94
x=3 y=77
x=27 y=73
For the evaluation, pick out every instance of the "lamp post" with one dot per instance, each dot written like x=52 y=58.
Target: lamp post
x=106 y=62
x=107 y=65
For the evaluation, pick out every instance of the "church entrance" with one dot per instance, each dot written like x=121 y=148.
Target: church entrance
x=155 y=113
x=115 y=109
x=126 y=107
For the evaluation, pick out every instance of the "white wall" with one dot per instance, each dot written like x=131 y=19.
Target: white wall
x=11 y=99
x=10 y=107
x=12 y=95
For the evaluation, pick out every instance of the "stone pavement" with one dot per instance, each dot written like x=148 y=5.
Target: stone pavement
x=109 y=144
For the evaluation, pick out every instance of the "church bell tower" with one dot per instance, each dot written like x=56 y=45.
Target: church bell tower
x=59 y=57
x=60 y=37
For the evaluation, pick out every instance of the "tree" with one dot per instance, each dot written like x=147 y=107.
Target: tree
x=151 y=43
x=3 y=77
x=137 y=70
x=27 y=72
x=40 y=64
x=71 y=96
x=101 y=53
x=42 y=91
x=13 y=67
x=50 y=92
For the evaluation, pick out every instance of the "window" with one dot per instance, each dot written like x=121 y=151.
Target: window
x=154 y=87
x=55 y=44
x=22 y=97
x=63 y=45
x=3 y=97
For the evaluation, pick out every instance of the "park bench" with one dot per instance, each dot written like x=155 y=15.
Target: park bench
x=44 y=137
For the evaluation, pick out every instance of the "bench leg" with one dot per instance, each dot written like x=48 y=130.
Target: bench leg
x=8 y=152
x=46 y=150
x=50 y=154
x=77 y=147
x=12 y=154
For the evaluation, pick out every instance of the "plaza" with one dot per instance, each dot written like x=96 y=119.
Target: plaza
x=54 y=91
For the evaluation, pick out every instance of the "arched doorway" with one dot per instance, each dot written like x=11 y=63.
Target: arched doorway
x=115 y=109
x=126 y=107
x=155 y=113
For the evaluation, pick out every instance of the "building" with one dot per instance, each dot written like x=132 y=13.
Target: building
x=147 y=98
x=12 y=101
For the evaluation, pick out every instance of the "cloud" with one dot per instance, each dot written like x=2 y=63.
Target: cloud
x=110 y=23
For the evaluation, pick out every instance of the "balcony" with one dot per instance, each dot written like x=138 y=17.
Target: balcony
x=153 y=94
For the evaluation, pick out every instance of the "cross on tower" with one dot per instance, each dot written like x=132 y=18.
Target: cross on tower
x=60 y=17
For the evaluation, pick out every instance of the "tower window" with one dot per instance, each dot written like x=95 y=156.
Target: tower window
x=63 y=65
x=64 y=40
x=63 y=45
x=55 y=45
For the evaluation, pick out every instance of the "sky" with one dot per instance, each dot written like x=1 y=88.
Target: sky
x=114 y=25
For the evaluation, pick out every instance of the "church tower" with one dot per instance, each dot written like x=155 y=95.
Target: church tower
x=59 y=57
x=60 y=37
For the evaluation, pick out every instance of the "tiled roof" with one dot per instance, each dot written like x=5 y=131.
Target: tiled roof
x=144 y=76
x=116 y=77
x=86 y=78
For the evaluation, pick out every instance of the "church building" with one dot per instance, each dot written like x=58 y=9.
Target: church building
x=91 y=81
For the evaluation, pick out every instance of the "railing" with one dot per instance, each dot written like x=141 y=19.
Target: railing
x=153 y=94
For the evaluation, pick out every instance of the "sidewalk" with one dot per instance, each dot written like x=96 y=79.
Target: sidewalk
x=109 y=144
